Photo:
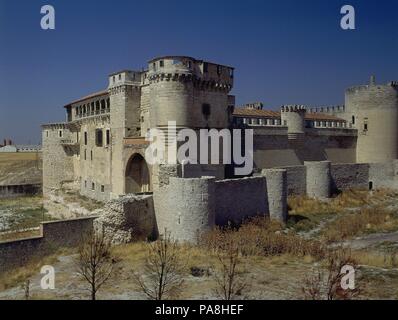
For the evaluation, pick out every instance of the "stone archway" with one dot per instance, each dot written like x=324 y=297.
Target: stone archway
x=137 y=175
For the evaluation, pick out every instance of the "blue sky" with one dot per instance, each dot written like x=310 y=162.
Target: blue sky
x=284 y=51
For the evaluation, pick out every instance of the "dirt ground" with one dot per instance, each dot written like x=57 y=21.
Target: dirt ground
x=373 y=244
x=20 y=168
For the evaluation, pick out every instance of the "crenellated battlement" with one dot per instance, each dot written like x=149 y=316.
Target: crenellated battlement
x=327 y=109
x=204 y=75
x=294 y=108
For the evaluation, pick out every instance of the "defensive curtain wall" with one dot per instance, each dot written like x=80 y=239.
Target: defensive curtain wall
x=187 y=207
x=53 y=235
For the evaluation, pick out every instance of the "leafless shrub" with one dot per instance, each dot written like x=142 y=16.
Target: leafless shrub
x=261 y=237
x=94 y=262
x=326 y=283
x=229 y=281
x=163 y=270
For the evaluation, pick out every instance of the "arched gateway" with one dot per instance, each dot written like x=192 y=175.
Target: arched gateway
x=137 y=175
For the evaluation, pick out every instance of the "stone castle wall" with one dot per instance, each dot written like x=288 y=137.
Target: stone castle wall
x=57 y=158
x=273 y=148
x=239 y=199
x=374 y=110
x=186 y=207
x=53 y=236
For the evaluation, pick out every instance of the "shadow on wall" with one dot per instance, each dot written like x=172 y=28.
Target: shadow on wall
x=53 y=236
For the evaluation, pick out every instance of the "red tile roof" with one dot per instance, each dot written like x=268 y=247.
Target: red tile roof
x=90 y=96
x=241 y=112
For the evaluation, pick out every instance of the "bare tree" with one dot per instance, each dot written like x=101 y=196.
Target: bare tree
x=326 y=284
x=163 y=271
x=229 y=281
x=94 y=261
x=26 y=288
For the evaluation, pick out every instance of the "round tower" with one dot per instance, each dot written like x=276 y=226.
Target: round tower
x=294 y=118
x=373 y=110
x=191 y=92
x=276 y=180
x=319 y=179
x=185 y=208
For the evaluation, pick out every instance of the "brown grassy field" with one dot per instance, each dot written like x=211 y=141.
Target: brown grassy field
x=20 y=168
x=7 y=157
x=275 y=261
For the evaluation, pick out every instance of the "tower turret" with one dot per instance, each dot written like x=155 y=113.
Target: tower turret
x=294 y=118
x=373 y=110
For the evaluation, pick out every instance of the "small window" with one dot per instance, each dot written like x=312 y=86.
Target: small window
x=108 y=137
x=113 y=79
x=120 y=77
x=365 y=127
x=353 y=119
x=161 y=63
x=85 y=138
x=92 y=186
x=370 y=185
x=98 y=137
x=85 y=154
x=60 y=133
x=154 y=66
x=205 y=67
x=102 y=188
x=91 y=155
x=47 y=134
x=85 y=183
x=206 y=110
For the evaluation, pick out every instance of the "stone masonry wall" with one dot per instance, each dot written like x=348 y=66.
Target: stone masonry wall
x=346 y=176
x=127 y=219
x=240 y=198
x=54 y=235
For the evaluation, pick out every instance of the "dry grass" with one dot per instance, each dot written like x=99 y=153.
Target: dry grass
x=20 y=168
x=307 y=214
x=260 y=237
x=366 y=220
x=19 y=235
x=18 y=276
x=6 y=157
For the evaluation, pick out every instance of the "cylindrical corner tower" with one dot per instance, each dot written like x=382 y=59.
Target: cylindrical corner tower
x=276 y=180
x=319 y=180
x=185 y=208
x=294 y=118
x=373 y=110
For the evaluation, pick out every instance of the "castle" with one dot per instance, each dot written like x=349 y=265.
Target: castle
x=101 y=146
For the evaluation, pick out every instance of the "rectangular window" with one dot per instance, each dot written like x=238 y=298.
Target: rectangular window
x=85 y=154
x=98 y=137
x=85 y=138
x=102 y=188
x=108 y=137
x=60 y=133
x=47 y=134
x=161 y=63
x=91 y=155
x=85 y=183
x=365 y=124
x=92 y=186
